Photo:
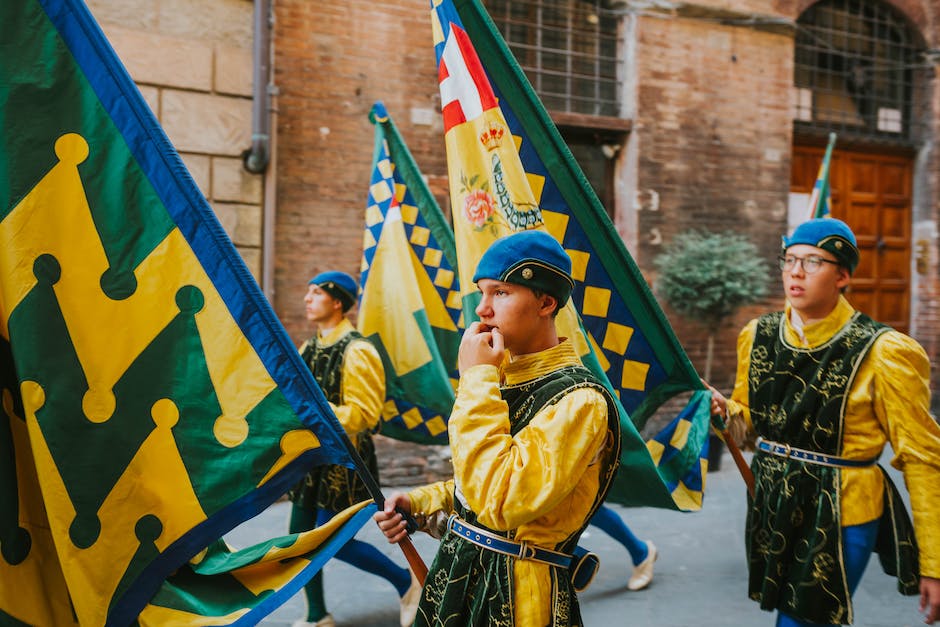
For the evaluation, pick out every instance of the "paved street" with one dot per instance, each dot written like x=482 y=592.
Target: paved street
x=699 y=582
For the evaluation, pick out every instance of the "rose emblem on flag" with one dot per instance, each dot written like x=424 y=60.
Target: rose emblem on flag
x=478 y=207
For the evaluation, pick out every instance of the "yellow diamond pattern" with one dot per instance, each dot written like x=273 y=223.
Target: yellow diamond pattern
x=412 y=418
x=373 y=215
x=368 y=240
x=419 y=236
x=385 y=166
x=380 y=191
x=453 y=299
x=681 y=435
x=444 y=278
x=537 y=183
x=596 y=301
x=617 y=337
x=579 y=262
x=436 y=425
x=634 y=375
x=409 y=214
x=556 y=223
x=432 y=257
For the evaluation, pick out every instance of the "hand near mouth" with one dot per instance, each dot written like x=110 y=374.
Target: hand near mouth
x=481 y=344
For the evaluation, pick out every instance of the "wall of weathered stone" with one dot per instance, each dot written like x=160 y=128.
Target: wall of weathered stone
x=192 y=62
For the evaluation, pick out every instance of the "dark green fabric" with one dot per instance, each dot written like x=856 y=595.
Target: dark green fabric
x=794 y=532
x=334 y=487
x=469 y=585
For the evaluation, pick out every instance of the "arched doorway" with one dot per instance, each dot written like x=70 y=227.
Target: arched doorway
x=860 y=71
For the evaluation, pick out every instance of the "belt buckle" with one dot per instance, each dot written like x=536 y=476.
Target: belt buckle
x=525 y=551
x=786 y=450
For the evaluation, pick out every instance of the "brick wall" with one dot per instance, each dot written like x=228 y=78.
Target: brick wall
x=334 y=60
x=713 y=133
x=192 y=62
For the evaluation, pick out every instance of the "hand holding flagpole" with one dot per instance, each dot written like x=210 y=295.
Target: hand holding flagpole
x=719 y=411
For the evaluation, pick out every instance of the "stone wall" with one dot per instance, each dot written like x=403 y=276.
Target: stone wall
x=192 y=62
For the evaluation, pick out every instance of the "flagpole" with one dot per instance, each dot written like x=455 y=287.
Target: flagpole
x=417 y=565
x=738 y=458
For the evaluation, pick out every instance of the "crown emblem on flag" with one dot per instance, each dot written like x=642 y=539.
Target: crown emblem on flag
x=492 y=135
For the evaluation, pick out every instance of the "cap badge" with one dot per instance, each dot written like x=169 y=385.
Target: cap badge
x=527 y=273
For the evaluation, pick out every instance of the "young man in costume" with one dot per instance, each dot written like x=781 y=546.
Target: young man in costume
x=825 y=387
x=349 y=371
x=535 y=442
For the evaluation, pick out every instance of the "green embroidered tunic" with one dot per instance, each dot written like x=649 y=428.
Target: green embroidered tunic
x=794 y=534
x=334 y=487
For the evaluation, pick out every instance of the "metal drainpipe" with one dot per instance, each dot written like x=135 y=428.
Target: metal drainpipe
x=260 y=155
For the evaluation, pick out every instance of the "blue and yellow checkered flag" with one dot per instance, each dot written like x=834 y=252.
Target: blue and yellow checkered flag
x=510 y=170
x=410 y=294
x=151 y=399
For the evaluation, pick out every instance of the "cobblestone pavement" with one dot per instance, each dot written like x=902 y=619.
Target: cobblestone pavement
x=700 y=577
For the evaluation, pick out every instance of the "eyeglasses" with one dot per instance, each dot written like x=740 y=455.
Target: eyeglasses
x=810 y=263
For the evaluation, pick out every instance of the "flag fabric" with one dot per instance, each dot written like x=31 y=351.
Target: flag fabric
x=509 y=169
x=151 y=399
x=820 y=202
x=410 y=294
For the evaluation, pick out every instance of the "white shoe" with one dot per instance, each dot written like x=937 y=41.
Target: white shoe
x=642 y=574
x=326 y=621
x=409 y=603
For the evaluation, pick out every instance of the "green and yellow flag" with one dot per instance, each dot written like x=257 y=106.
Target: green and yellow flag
x=410 y=294
x=820 y=200
x=151 y=399
x=509 y=170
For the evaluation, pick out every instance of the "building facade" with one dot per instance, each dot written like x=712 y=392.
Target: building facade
x=706 y=115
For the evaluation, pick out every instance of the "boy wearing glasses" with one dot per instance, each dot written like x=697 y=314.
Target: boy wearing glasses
x=825 y=387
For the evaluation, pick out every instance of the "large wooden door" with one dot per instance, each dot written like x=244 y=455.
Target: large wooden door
x=872 y=194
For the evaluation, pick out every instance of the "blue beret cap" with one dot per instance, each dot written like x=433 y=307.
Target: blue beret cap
x=339 y=285
x=534 y=259
x=833 y=236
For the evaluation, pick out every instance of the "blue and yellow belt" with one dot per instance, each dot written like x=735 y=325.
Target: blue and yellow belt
x=494 y=542
x=823 y=459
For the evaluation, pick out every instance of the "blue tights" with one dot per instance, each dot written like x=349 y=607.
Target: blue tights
x=858 y=542
x=610 y=522
x=360 y=554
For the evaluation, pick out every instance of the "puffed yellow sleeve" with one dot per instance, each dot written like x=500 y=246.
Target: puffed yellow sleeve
x=739 y=412
x=901 y=396
x=363 y=389
x=432 y=498
x=511 y=480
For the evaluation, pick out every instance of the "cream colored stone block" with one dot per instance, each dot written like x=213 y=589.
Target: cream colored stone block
x=158 y=59
x=129 y=13
x=228 y=21
x=241 y=222
x=198 y=166
x=252 y=259
x=234 y=70
x=152 y=96
x=232 y=183
x=207 y=123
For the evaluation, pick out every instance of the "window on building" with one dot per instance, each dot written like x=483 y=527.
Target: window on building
x=570 y=50
x=856 y=71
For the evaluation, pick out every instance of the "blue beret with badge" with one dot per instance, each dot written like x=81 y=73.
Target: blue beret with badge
x=339 y=285
x=533 y=259
x=832 y=235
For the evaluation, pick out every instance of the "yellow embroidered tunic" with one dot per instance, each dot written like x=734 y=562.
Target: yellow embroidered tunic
x=542 y=482
x=889 y=402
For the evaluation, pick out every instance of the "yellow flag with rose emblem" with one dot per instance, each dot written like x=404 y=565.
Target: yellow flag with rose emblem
x=510 y=171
